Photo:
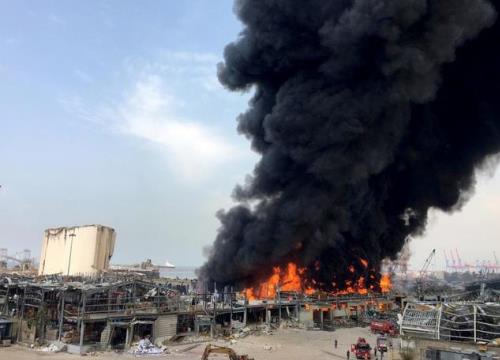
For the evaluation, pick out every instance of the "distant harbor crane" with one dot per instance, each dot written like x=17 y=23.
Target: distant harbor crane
x=423 y=273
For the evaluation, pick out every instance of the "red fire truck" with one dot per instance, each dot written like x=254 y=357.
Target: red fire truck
x=383 y=327
x=361 y=349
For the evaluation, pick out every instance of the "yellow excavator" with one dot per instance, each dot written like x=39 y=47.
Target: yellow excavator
x=213 y=349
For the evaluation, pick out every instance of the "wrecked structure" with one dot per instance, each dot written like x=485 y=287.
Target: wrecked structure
x=460 y=321
x=89 y=315
x=113 y=312
x=19 y=262
x=451 y=330
x=5 y=331
x=77 y=250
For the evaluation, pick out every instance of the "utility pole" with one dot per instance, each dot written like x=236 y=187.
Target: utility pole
x=278 y=288
x=231 y=304
x=61 y=316
x=72 y=235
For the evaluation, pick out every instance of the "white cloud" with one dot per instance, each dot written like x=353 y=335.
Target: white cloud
x=181 y=67
x=83 y=76
x=191 y=57
x=166 y=102
x=77 y=106
x=149 y=111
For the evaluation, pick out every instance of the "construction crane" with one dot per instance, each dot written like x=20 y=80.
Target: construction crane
x=422 y=273
x=427 y=262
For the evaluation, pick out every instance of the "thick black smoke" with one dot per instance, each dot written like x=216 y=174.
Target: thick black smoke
x=367 y=113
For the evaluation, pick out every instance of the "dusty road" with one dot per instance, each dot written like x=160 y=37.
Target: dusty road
x=287 y=344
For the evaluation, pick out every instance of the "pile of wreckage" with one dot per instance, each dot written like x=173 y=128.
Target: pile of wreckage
x=84 y=315
x=87 y=314
x=460 y=321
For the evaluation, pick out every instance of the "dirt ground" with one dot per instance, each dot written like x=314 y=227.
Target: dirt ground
x=286 y=344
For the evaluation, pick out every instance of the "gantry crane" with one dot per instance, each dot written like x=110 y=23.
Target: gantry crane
x=24 y=264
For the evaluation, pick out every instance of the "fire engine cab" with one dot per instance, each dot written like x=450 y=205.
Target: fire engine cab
x=361 y=349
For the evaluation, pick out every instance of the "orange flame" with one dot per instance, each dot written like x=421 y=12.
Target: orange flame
x=289 y=279
x=385 y=283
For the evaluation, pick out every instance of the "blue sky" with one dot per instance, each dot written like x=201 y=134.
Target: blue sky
x=111 y=113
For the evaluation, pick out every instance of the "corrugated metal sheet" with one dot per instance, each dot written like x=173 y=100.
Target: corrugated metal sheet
x=165 y=327
x=105 y=335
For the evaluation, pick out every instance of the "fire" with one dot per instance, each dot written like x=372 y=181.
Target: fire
x=290 y=279
x=354 y=287
x=385 y=283
x=287 y=280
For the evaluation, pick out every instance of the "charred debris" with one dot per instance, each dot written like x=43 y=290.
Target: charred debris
x=114 y=311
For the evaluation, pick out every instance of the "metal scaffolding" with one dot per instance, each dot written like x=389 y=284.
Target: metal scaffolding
x=461 y=321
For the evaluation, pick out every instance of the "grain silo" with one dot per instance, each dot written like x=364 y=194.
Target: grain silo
x=77 y=250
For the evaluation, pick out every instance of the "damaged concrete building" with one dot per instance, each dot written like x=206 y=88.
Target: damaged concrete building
x=89 y=315
x=77 y=299
x=451 y=330
x=78 y=250
x=113 y=312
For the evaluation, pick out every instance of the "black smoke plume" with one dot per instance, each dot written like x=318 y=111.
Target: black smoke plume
x=367 y=113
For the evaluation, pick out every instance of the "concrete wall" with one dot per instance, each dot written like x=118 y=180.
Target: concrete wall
x=306 y=315
x=79 y=250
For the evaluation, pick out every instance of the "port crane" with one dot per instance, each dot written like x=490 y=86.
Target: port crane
x=422 y=273
x=454 y=263
x=26 y=263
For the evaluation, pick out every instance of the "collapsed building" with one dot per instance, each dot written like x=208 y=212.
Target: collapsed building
x=451 y=330
x=113 y=312
x=476 y=322
x=89 y=314
x=82 y=302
